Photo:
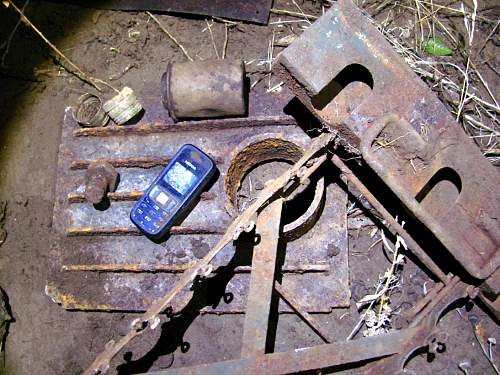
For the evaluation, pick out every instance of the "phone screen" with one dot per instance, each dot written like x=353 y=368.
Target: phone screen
x=180 y=178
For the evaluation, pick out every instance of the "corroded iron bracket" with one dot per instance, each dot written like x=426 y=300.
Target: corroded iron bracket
x=353 y=81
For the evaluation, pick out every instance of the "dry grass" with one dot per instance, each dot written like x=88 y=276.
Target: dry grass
x=457 y=79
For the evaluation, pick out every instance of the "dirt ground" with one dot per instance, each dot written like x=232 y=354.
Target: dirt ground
x=46 y=339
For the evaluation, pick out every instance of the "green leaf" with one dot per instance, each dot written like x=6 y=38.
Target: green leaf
x=436 y=47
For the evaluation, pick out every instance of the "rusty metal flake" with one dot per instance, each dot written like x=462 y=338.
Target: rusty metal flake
x=427 y=161
x=122 y=270
x=306 y=359
x=261 y=288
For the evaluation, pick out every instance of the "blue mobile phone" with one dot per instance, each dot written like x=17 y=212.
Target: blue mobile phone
x=172 y=192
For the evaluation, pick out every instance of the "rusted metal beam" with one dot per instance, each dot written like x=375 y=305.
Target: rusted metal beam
x=187 y=126
x=125 y=196
x=310 y=320
x=133 y=231
x=306 y=359
x=141 y=162
x=426 y=317
x=179 y=268
x=259 y=298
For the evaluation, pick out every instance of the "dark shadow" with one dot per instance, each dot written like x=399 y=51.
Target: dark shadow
x=304 y=118
x=134 y=120
x=351 y=73
x=102 y=205
x=5 y=316
x=207 y=292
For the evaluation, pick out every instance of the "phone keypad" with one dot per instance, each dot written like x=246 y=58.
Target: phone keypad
x=151 y=217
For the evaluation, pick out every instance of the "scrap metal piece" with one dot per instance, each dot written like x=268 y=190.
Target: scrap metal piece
x=425 y=315
x=107 y=240
x=306 y=359
x=89 y=112
x=298 y=173
x=205 y=89
x=123 y=107
x=391 y=223
x=100 y=178
x=420 y=152
x=259 y=298
x=253 y=11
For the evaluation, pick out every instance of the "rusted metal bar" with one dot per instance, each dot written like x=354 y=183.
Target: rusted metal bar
x=306 y=359
x=206 y=125
x=143 y=162
x=132 y=231
x=242 y=222
x=391 y=223
x=259 y=298
x=178 y=268
x=310 y=320
x=126 y=196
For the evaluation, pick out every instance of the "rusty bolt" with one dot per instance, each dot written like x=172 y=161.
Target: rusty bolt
x=100 y=178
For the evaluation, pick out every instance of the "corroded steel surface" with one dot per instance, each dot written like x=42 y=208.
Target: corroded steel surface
x=350 y=78
x=265 y=254
x=102 y=262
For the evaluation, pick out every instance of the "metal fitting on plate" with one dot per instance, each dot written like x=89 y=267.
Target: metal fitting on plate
x=89 y=111
x=205 y=89
x=100 y=178
x=123 y=106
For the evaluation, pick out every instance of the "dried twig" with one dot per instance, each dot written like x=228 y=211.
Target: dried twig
x=11 y=36
x=78 y=72
x=209 y=27
x=172 y=38
x=294 y=14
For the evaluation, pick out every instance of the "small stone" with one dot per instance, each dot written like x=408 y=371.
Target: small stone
x=20 y=200
x=332 y=250
x=180 y=253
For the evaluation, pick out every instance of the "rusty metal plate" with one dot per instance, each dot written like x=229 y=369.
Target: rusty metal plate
x=101 y=262
x=351 y=79
x=254 y=11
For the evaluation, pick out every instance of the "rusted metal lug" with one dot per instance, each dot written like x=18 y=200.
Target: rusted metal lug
x=89 y=111
x=205 y=89
x=100 y=179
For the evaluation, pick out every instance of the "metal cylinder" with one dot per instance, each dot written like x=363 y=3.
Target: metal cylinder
x=89 y=111
x=205 y=89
